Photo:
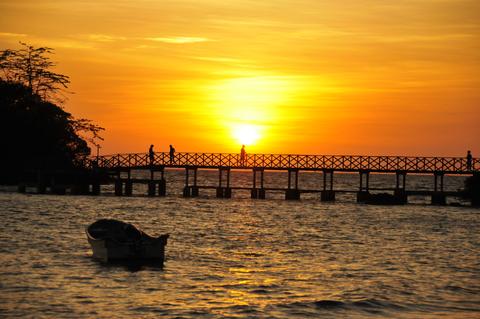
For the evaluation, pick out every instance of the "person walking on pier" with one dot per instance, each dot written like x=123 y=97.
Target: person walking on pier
x=151 y=154
x=172 y=154
x=469 y=161
x=243 y=155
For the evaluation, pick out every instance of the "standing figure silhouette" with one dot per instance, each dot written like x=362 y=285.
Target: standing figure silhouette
x=243 y=155
x=469 y=161
x=172 y=154
x=151 y=154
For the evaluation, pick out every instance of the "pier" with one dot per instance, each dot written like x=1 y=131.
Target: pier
x=118 y=168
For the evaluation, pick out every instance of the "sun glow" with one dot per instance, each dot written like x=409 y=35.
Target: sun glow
x=248 y=107
x=246 y=134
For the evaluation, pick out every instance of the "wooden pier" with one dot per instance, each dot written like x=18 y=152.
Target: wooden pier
x=118 y=165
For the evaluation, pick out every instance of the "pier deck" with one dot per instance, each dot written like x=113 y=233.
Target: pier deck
x=341 y=163
x=118 y=165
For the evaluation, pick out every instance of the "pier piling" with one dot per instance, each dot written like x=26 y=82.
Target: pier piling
x=292 y=193
x=128 y=187
x=118 y=187
x=327 y=194
x=96 y=188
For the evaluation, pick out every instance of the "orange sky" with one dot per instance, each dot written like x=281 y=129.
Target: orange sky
x=299 y=76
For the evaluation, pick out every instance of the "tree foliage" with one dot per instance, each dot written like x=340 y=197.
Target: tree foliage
x=36 y=133
x=31 y=67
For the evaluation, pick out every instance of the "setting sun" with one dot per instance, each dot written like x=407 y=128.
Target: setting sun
x=249 y=108
x=246 y=134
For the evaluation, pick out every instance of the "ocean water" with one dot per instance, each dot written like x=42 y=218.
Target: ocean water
x=243 y=258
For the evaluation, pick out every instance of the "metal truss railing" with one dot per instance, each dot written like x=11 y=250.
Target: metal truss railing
x=348 y=163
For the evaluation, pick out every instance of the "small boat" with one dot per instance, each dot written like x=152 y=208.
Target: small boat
x=113 y=240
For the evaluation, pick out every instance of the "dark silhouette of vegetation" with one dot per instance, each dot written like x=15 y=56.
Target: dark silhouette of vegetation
x=30 y=66
x=472 y=189
x=36 y=133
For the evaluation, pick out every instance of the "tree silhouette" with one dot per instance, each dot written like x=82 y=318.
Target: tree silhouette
x=31 y=66
x=36 y=133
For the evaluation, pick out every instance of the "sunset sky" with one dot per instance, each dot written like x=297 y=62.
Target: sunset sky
x=371 y=77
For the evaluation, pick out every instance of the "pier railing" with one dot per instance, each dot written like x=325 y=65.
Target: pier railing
x=347 y=163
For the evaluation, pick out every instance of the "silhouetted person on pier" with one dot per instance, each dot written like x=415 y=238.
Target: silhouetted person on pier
x=243 y=155
x=151 y=154
x=469 y=160
x=172 y=154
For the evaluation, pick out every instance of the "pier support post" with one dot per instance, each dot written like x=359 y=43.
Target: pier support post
x=254 y=191
x=186 y=189
x=437 y=185
x=261 y=193
x=362 y=196
x=162 y=187
x=227 y=192
x=327 y=196
x=257 y=193
x=118 y=187
x=325 y=174
x=363 y=193
x=292 y=194
x=295 y=172
x=128 y=188
x=96 y=189
x=129 y=183
x=151 y=188
x=186 y=192
x=400 y=195
x=194 y=191
x=190 y=191
x=362 y=187
x=439 y=198
x=224 y=192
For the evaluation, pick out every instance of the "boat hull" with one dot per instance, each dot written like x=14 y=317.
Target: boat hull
x=110 y=248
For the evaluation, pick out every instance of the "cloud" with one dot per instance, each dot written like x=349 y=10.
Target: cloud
x=243 y=63
x=178 y=40
x=220 y=59
x=105 y=38
x=12 y=35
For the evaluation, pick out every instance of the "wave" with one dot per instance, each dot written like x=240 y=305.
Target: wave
x=365 y=305
x=373 y=307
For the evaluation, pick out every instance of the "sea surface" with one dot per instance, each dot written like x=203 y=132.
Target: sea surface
x=244 y=258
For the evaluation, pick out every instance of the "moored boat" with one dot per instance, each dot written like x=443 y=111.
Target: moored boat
x=114 y=240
